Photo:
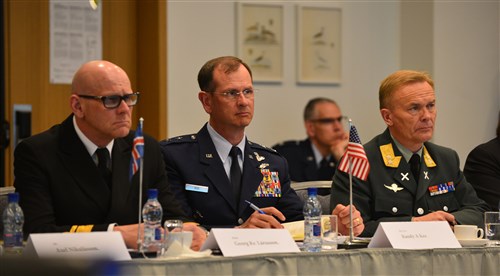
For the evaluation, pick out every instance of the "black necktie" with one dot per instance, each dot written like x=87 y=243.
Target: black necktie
x=415 y=165
x=325 y=172
x=235 y=173
x=102 y=164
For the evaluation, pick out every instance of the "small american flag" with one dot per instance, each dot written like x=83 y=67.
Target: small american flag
x=356 y=153
x=137 y=150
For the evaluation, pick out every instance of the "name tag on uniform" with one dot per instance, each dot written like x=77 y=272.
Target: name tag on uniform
x=196 y=188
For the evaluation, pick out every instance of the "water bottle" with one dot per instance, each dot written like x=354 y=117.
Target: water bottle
x=13 y=220
x=312 y=222
x=152 y=214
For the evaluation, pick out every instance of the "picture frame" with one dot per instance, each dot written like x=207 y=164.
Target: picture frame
x=260 y=39
x=319 y=44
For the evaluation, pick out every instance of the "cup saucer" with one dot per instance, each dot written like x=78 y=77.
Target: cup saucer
x=474 y=242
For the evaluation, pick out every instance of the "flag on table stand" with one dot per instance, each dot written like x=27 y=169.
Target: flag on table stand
x=355 y=154
x=137 y=165
x=137 y=150
x=355 y=163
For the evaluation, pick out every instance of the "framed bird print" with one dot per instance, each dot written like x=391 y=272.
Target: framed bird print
x=260 y=39
x=319 y=44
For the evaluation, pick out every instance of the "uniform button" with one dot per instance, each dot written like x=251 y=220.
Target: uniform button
x=394 y=210
x=420 y=211
x=240 y=221
x=445 y=208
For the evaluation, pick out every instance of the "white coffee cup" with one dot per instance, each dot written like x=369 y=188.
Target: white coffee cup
x=468 y=232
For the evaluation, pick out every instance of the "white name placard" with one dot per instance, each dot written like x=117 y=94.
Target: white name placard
x=92 y=245
x=414 y=235
x=239 y=242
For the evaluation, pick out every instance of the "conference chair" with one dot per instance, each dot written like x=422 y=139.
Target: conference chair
x=301 y=190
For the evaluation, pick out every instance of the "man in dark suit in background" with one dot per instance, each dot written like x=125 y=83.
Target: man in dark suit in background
x=316 y=157
x=410 y=178
x=66 y=177
x=482 y=170
x=214 y=171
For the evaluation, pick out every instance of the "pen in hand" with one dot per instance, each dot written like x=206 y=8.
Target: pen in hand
x=255 y=207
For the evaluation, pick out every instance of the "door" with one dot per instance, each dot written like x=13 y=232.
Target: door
x=134 y=37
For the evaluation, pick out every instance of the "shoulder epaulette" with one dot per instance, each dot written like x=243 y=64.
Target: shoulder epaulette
x=289 y=143
x=181 y=139
x=258 y=146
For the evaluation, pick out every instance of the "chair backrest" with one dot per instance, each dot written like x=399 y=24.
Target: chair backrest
x=322 y=184
x=4 y=191
x=301 y=190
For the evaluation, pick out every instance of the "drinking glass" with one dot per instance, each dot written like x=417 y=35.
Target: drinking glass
x=330 y=232
x=492 y=227
x=173 y=229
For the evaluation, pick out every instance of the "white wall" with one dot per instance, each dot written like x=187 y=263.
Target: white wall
x=466 y=73
x=204 y=29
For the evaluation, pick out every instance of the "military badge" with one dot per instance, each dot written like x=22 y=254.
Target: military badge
x=258 y=157
x=442 y=188
x=263 y=165
x=394 y=187
x=270 y=185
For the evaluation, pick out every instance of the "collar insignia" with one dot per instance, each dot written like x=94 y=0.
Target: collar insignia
x=390 y=160
x=426 y=175
x=429 y=162
x=404 y=176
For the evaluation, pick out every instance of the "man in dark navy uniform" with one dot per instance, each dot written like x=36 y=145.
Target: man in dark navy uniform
x=410 y=178
x=214 y=172
x=74 y=177
x=316 y=157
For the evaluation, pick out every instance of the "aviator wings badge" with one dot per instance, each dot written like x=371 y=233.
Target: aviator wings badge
x=258 y=157
x=394 y=187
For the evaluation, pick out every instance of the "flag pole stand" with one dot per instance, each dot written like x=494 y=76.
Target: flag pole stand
x=139 y=215
x=352 y=242
x=140 y=248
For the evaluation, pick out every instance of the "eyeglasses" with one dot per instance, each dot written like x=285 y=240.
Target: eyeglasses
x=325 y=121
x=113 y=101
x=235 y=94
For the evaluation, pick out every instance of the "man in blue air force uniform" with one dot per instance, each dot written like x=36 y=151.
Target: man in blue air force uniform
x=202 y=185
x=410 y=179
x=315 y=158
x=213 y=172
x=199 y=166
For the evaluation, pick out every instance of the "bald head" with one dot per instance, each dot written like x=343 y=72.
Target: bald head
x=99 y=75
x=98 y=123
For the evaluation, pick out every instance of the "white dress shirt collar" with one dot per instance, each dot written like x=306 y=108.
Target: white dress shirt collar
x=89 y=145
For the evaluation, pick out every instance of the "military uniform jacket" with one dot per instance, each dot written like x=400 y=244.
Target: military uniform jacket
x=392 y=194
x=198 y=179
x=61 y=189
x=301 y=161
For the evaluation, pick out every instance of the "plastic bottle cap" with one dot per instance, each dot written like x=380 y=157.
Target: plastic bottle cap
x=152 y=193
x=13 y=197
x=312 y=191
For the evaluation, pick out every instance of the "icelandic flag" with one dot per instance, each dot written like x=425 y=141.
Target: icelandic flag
x=137 y=151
